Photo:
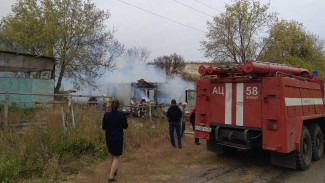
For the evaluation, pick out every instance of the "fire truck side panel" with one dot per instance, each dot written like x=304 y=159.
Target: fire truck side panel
x=273 y=124
x=287 y=102
x=293 y=112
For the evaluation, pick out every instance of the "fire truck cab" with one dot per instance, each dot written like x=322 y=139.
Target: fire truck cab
x=270 y=106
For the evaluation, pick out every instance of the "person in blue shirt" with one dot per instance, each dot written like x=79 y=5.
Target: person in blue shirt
x=113 y=123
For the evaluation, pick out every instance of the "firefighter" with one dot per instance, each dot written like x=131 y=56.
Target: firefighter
x=191 y=119
x=106 y=102
x=143 y=107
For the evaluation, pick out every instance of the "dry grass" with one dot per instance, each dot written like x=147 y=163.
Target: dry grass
x=46 y=154
x=162 y=163
x=42 y=151
x=154 y=161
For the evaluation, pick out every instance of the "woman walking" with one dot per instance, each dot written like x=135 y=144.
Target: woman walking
x=113 y=123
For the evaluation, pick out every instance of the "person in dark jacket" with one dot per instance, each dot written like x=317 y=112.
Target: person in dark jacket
x=113 y=123
x=174 y=115
x=191 y=119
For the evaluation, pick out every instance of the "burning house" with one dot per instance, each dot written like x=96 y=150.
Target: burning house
x=143 y=89
x=133 y=79
x=133 y=91
x=155 y=92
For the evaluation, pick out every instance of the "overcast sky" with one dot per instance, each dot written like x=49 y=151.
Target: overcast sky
x=135 y=27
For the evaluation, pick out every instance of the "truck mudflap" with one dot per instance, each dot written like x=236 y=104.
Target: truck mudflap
x=287 y=160
x=237 y=137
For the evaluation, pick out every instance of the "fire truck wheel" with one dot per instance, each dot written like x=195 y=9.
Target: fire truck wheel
x=316 y=141
x=304 y=154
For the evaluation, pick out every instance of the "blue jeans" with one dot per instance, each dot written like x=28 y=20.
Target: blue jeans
x=193 y=125
x=177 y=126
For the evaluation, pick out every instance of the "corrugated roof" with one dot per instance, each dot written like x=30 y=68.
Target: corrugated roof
x=29 y=55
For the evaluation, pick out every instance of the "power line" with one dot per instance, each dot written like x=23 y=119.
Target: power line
x=193 y=8
x=162 y=17
x=209 y=6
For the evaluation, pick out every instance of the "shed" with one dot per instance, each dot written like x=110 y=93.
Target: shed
x=17 y=75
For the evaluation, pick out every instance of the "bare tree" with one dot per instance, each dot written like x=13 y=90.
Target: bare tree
x=115 y=49
x=172 y=64
x=140 y=54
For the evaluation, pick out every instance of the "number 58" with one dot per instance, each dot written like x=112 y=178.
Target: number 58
x=251 y=90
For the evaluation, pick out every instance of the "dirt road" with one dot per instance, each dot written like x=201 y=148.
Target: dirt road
x=254 y=167
x=193 y=164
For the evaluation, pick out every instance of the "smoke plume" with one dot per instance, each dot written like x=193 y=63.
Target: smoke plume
x=117 y=82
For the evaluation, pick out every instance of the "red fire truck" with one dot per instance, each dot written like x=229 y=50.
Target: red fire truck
x=257 y=104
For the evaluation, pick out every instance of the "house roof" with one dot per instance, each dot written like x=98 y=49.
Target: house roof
x=22 y=62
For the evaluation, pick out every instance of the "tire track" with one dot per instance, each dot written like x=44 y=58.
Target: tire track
x=251 y=167
x=215 y=173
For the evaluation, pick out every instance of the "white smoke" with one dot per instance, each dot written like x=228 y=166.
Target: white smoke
x=130 y=70
x=174 y=89
x=117 y=83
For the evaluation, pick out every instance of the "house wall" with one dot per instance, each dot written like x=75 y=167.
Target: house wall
x=26 y=85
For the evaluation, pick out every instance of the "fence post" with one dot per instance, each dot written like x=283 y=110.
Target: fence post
x=72 y=115
x=70 y=108
x=150 y=115
x=69 y=103
x=6 y=109
x=63 y=121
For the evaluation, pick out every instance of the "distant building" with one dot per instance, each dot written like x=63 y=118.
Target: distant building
x=26 y=73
